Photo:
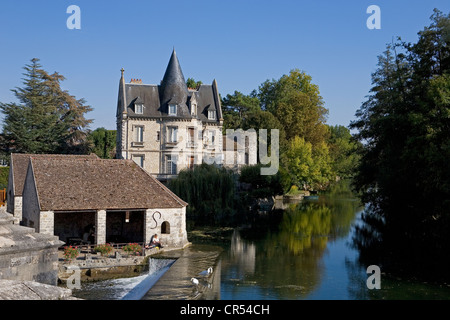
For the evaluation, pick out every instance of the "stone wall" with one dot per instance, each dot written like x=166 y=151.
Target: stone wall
x=47 y=223
x=168 y=224
x=26 y=255
x=30 y=290
x=17 y=210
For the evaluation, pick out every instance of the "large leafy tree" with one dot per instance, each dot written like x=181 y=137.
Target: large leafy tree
x=405 y=128
x=296 y=102
x=293 y=105
x=244 y=112
x=307 y=167
x=46 y=119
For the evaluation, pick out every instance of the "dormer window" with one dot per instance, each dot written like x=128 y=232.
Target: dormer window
x=211 y=115
x=193 y=109
x=172 y=109
x=139 y=108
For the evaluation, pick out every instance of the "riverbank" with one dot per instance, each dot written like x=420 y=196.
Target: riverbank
x=211 y=235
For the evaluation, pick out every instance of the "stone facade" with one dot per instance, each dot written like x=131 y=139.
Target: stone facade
x=164 y=143
x=156 y=146
x=169 y=224
x=240 y=148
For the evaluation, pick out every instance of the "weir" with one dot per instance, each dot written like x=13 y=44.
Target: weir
x=133 y=288
x=168 y=278
x=157 y=267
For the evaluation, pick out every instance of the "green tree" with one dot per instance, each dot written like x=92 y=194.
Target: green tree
x=296 y=102
x=298 y=161
x=103 y=143
x=235 y=107
x=244 y=112
x=343 y=151
x=404 y=126
x=321 y=170
x=210 y=192
x=307 y=167
x=47 y=119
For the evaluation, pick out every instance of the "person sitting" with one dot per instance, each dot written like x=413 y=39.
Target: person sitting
x=150 y=245
x=155 y=242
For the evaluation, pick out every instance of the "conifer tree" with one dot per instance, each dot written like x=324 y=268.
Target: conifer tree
x=404 y=126
x=46 y=119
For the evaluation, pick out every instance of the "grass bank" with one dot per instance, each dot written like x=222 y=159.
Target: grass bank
x=211 y=235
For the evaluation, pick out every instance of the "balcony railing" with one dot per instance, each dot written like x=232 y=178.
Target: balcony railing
x=170 y=144
x=137 y=144
x=191 y=144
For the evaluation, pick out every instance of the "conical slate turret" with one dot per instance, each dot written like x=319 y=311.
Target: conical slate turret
x=173 y=88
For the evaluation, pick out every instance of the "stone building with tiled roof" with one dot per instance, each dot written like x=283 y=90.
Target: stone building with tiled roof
x=17 y=173
x=167 y=127
x=116 y=199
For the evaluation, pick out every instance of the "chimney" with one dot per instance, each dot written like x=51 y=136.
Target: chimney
x=136 y=81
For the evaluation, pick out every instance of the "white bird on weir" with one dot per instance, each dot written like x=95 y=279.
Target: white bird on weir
x=194 y=281
x=206 y=272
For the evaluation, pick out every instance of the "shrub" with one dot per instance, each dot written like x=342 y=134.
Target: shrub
x=262 y=186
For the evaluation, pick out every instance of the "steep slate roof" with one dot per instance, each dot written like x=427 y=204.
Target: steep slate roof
x=173 y=87
x=172 y=90
x=81 y=184
x=19 y=165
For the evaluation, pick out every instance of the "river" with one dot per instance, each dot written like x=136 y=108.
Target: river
x=306 y=252
x=303 y=251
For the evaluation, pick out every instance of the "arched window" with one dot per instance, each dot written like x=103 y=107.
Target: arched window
x=165 y=227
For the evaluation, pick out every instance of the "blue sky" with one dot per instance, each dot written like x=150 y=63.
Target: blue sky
x=239 y=43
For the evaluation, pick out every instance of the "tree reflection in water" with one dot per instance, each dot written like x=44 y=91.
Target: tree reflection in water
x=285 y=261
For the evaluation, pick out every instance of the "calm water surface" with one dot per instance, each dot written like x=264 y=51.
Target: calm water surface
x=305 y=252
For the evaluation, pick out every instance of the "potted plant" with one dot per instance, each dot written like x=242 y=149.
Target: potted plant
x=132 y=248
x=70 y=253
x=104 y=249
